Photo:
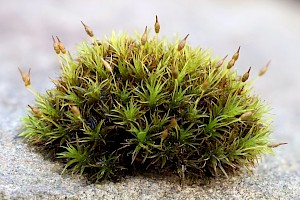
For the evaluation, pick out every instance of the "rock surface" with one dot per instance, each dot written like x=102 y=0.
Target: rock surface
x=266 y=30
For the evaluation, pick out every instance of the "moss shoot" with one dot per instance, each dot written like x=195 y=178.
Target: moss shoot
x=141 y=103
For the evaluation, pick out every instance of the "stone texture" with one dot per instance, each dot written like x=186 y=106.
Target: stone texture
x=265 y=30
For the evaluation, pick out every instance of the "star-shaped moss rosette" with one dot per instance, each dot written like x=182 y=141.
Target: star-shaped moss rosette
x=126 y=104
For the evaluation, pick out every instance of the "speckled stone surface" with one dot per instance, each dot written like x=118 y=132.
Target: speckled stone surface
x=265 y=30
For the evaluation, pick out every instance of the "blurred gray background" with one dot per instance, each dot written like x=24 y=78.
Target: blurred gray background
x=265 y=30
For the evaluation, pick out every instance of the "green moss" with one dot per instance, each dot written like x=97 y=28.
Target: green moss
x=128 y=104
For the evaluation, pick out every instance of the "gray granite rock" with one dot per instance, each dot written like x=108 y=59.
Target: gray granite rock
x=266 y=30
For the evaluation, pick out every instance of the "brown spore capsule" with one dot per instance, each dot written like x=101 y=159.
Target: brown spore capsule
x=35 y=110
x=75 y=110
x=173 y=122
x=156 y=25
x=25 y=78
x=55 y=46
x=277 y=144
x=264 y=69
x=61 y=46
x=88 y=30
x=182 y=43
x=220 y=63
x=164 y=134
x=106 y=65
x=236 y=55
x=246 y=75
x=144 y=37
x=246 y=116
x=230 y=64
